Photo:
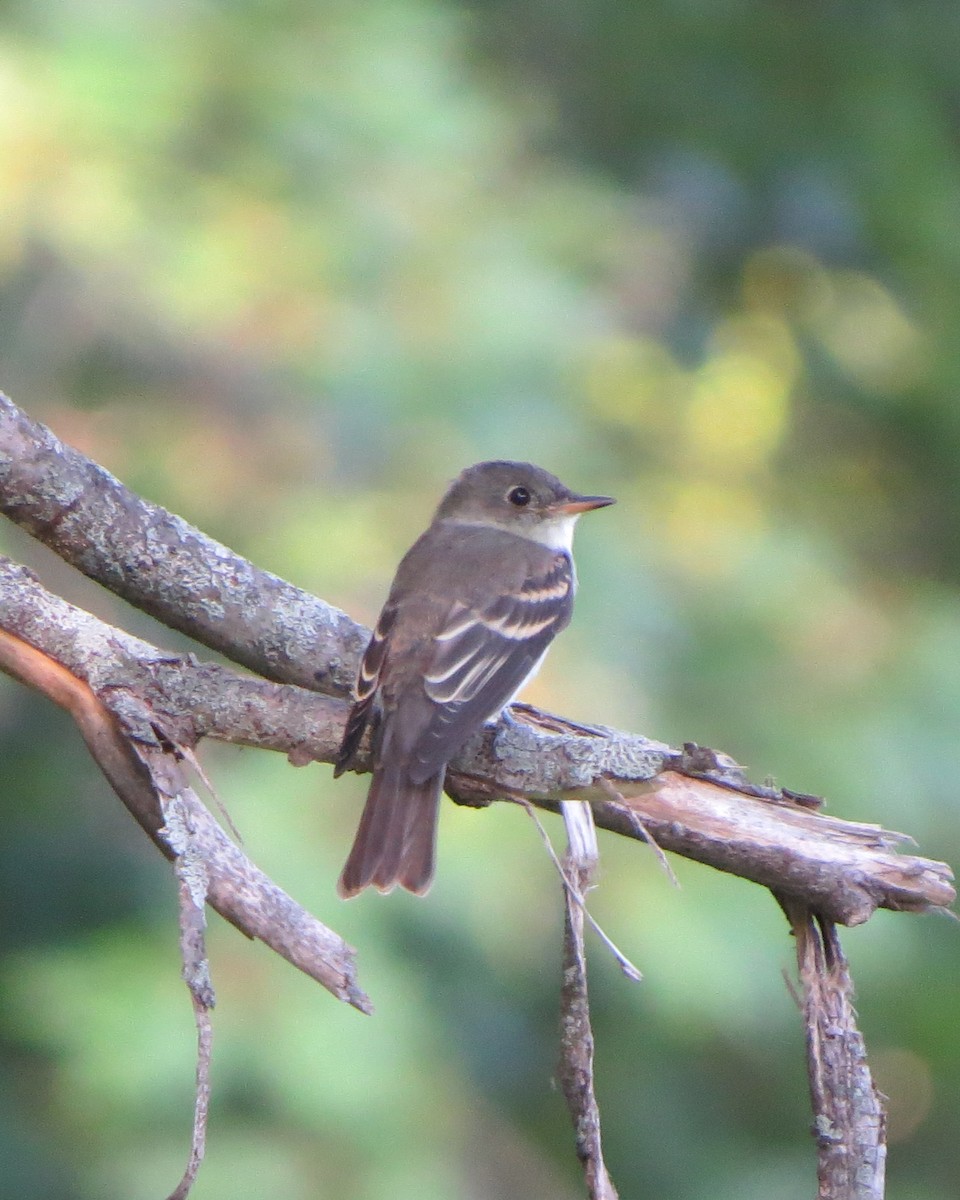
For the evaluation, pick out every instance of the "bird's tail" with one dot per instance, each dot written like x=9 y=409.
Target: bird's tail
x=396 y=838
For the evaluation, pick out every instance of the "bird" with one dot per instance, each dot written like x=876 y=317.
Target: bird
x=474 y=605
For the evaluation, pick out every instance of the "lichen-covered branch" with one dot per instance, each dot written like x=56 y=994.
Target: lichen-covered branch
x=160 y=563
x=692 y=803
x=143 y=766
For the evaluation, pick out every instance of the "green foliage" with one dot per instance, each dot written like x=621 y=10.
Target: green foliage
x=285 y=268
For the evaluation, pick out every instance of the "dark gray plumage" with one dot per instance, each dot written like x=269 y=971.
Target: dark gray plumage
x=474 y=605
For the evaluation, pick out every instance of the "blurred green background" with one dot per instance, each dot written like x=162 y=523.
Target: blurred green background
x=285 y=268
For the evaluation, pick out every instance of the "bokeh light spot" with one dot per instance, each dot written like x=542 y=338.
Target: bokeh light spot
x=632 y=381
x=712 y=526
x=738 y=411
x=869 y=335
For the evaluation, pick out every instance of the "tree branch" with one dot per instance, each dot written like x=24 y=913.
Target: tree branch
x=848 y=1118
x=702 y=811
x=575 y=1071
x=694 y=802
x=159 y=563
x=144 y=767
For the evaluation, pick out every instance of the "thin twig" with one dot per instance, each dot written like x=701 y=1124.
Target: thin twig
x=202 y=1102
x=192 y=896
x=576 y=1040
x=221 y=808
x=642 y=831
x=624 y=963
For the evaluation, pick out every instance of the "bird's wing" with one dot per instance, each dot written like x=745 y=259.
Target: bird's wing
x=368 y=679
x=481 y=656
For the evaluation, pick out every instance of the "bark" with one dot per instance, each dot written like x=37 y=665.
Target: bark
x=849 y=1123
x=575 y=1072
x=144 y=766
x=161 y=564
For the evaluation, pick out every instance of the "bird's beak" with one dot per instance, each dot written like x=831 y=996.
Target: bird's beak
x=580 y=504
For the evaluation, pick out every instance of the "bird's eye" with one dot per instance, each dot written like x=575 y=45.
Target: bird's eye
x=520 y=496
